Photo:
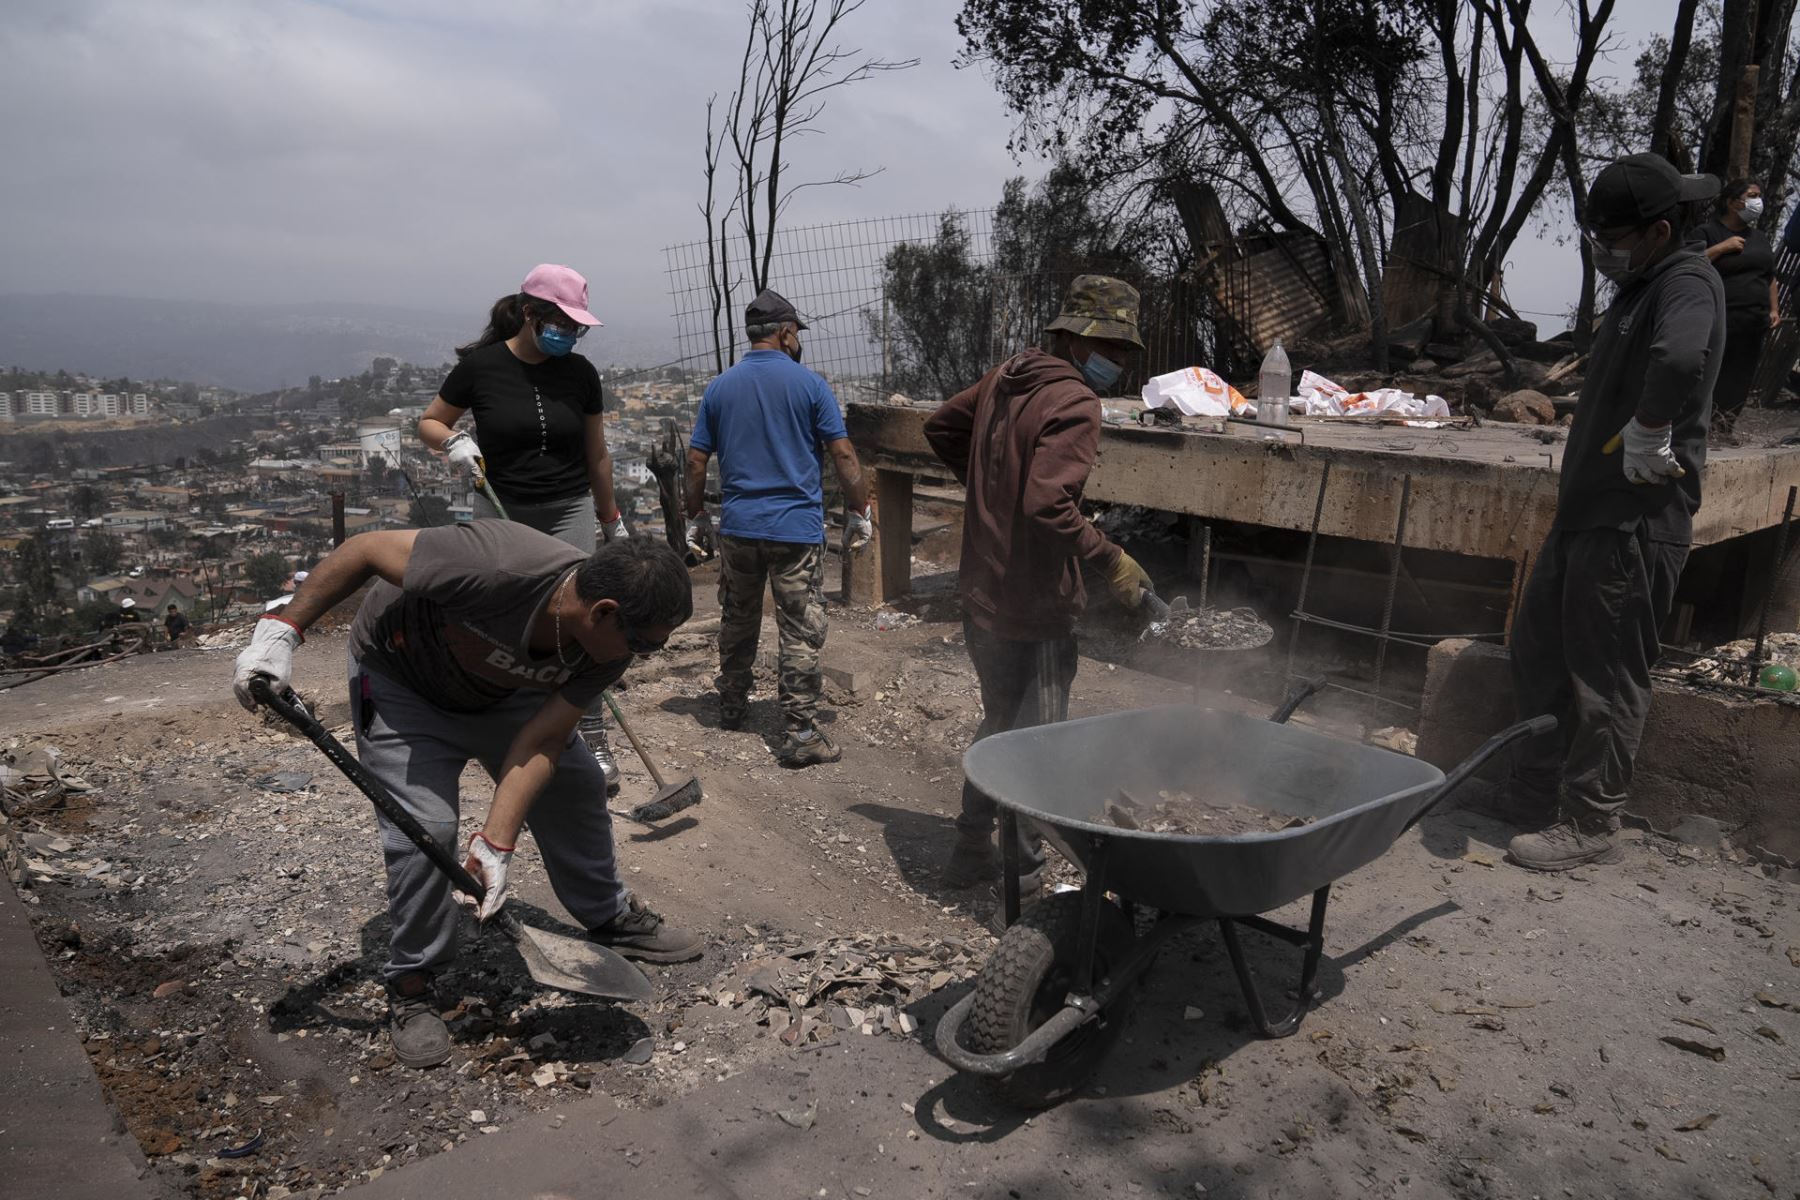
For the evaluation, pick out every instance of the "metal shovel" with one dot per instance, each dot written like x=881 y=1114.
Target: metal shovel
x=1163 y=613
x=566 y=963
x=670 y=798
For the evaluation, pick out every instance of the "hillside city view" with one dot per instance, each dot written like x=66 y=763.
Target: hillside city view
x=161 y=492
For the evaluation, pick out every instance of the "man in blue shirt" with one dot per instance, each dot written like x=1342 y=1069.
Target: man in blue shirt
x=770 y=421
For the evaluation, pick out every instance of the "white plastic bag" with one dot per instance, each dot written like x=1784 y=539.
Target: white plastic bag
x=1194 y=392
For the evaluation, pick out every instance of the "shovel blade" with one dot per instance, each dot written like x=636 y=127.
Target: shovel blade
x=573 y=965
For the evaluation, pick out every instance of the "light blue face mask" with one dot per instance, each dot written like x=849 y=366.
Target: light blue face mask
x=1101 y=372
x=555 y=342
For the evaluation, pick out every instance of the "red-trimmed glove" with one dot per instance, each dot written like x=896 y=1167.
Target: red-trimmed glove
x=487 y=862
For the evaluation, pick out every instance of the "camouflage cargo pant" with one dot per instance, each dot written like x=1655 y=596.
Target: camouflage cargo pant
x=795 y=573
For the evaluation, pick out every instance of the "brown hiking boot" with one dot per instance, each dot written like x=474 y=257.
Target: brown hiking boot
x=1568 y=844
x=806 y=748
x=415 y=1030
x=973 y=861
x=976 y=863
x=639 y=933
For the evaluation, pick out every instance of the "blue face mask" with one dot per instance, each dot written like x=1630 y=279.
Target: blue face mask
x=1101 y=372
x=555 y=342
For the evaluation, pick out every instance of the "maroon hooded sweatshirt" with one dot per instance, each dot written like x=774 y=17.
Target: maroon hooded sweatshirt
x=1022 y=441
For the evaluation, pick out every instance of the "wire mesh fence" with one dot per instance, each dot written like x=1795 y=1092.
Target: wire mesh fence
x=915 y=304
x=833 y=274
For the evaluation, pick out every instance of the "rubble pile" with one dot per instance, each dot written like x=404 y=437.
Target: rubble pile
x=1211 y=629
x=1179 y=812
x=1731 y=663
x=863 y=983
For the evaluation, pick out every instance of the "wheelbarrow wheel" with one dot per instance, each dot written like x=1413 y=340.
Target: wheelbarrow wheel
x=1024 y=984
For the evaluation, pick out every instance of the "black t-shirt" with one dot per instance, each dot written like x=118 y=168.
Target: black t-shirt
x=177 y=625
x=529 y=420
x=1745 y=274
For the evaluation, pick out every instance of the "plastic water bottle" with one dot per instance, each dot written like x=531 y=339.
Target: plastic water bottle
x=1275 y=383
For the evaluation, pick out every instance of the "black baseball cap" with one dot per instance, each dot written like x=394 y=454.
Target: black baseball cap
x=1641 y=188
x=771 y=308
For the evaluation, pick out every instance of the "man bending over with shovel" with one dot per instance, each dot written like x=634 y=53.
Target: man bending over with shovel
x=487 y=641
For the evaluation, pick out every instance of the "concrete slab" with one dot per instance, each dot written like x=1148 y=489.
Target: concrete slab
x=1488 y=492
x=59 y=1139
x=1706 y=754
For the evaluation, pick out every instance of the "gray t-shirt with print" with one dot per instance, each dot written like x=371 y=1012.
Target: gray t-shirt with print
x=458 y=632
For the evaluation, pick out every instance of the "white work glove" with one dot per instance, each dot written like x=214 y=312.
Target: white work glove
x=614 y=530
x=486 y=862
x=463 y=452
x=269 y=654
x=859 y=527
x=1649 y=453
x=700 y=537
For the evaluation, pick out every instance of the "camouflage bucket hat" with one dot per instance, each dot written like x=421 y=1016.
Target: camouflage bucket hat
x=1099 y=306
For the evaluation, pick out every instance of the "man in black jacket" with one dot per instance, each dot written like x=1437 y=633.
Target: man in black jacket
x=1585 y=636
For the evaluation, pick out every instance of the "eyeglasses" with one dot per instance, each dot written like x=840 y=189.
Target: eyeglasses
x=639 y=645
x=574 y=329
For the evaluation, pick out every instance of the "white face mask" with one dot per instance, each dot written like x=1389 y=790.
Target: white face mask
x=1753 y=208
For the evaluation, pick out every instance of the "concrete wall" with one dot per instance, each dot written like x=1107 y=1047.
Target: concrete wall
x=1708 y=753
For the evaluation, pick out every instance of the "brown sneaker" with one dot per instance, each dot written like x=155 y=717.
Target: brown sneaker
x=639 y=933
x=1568 y=844
x=806 y=748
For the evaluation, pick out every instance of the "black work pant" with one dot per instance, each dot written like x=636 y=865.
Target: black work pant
x=1022 y=684
x=1583 y=643
x=1744 y=338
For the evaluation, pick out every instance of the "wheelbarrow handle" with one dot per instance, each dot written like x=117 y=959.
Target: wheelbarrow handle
x=1460 y=774
x=1296 y=698
x=287 y=706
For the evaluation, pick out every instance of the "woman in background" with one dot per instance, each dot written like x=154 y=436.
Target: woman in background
x=1745 y=260
x=538 y=412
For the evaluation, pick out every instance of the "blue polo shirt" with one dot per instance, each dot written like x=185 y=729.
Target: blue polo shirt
x=768 y=420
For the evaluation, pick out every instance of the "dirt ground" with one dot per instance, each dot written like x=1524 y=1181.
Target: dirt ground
x=1618 y=1031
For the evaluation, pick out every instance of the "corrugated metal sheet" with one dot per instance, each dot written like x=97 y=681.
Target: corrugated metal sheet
x=1273 y=286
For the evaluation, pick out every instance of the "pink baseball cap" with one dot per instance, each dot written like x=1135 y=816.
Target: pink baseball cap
x=564 y=286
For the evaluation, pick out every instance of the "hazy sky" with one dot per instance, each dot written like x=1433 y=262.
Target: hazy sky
x=427 y=152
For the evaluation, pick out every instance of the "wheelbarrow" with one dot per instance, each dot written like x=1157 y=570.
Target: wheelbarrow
x=1051 y=999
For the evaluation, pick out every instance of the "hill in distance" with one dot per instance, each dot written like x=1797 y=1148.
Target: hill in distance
x=252 y=348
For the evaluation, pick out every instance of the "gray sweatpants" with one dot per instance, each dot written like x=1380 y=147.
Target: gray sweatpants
x=572 y=520
x=419 y=751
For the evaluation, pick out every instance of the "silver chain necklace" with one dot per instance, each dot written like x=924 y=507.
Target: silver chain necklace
x=556 y=618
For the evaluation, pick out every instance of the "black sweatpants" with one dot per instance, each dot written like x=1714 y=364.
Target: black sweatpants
x=1744 y=338
x=1583 y=643
x=1022 y=684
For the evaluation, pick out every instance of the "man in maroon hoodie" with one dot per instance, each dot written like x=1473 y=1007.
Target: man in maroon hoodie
x=1022 y=441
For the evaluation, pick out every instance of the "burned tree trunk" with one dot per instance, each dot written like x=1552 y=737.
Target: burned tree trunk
x=668 y=460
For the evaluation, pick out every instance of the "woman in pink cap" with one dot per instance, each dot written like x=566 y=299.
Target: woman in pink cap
x=537 y=410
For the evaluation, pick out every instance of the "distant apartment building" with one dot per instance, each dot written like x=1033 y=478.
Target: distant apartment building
x=6 y=406
x=43 y=404
x=134 y=520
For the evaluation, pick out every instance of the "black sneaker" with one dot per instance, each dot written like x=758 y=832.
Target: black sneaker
x=642 y=934
x=806 y=748
x=732 y=710
x=415 y=1030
